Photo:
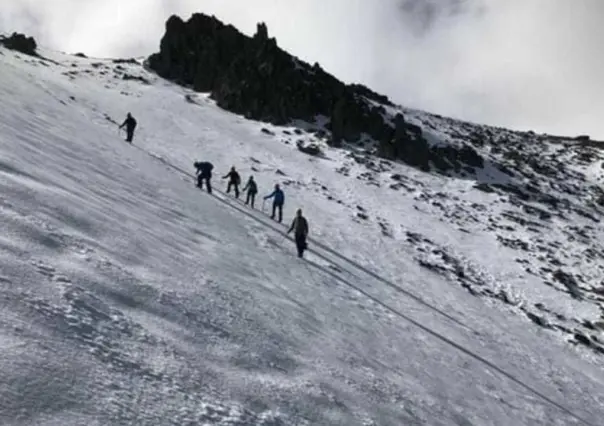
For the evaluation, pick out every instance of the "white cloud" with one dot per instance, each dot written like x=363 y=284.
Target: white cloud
x=521 y=63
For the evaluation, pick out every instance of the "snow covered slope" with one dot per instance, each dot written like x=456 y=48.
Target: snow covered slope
x=127 y=296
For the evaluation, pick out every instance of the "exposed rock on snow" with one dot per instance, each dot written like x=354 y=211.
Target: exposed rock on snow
x=310 y=149
x=20 y=43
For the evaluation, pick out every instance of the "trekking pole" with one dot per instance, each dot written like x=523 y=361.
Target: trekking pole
x=263 y=204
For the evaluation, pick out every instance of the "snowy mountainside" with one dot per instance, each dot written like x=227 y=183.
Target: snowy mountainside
x=130 y=297
x=547 y=185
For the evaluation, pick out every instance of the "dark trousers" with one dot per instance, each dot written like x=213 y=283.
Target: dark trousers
x=277 y=208
x=236 y=185
x=201 y=178
x=251 y=196
x=301 y=244
x=129 y=135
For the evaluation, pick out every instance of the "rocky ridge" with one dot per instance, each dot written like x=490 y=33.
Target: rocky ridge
x=253 y=77
x=20 y=43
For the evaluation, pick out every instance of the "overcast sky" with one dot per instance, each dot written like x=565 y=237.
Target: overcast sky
x=528 y=64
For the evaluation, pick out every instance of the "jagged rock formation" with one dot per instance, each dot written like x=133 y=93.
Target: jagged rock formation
x=20 y=43
x=252 y=76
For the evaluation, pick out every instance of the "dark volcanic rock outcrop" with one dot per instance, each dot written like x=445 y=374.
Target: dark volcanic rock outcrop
x=252 y=76
x=20 y=43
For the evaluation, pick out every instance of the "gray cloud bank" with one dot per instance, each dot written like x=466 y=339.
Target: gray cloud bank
x=527 y=64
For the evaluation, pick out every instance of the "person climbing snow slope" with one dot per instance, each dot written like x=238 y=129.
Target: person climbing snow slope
x=278 y=200
x=130 y=124
x=204 y=172
x=300 y=228
x=234 y=181
x=252 y=190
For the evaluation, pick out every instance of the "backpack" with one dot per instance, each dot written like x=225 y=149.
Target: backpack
x=204 y=167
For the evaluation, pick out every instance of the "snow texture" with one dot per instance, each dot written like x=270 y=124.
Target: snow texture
x=130 y=297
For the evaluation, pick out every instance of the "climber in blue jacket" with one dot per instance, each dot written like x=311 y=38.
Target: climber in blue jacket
x=278 y=200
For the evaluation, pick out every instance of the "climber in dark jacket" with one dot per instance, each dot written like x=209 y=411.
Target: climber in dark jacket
x=234 y=180
x=204 y=172
x=300 y=228
x=130 y=124
x=252 y=190
x=278 y=200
